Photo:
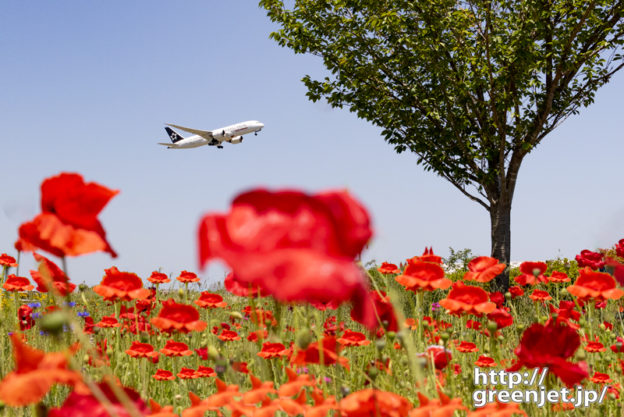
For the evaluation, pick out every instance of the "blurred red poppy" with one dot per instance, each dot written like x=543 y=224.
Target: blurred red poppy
x=444 y=407
x=501 y=317
x=516 y=291
x=423 y=276
x=295 y=246
x=427 y=256
x=483 y=269
x=619 y=248
x=438 y=354
x=539 y=295
x=272 y=350
x=371 y=402
x=108 y=321
x=550 y=346
x=600 y=378
x=24 y=316
x=558 y=277
x=532 y=273
x=35 y=373
x=210 y=300
x=242 y=289
x=117 y=285
x=351 y=338
x=598 y=286
x=464 y=299
x=187 y=373
x=380 y=304
x=587 y=258
x=228 y=336
x=85 y=404
x=48 y=270
x=311 y=354
x=15 y=283
x=178 y=317
x=205 y=372
x=68 y=224
x=467 y=347
x=158 y=278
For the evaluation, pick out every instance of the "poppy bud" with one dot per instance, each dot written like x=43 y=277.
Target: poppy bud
x=492 y=326
x=380 y=344
x=181 y=292
x=373 y=373
x=53 y=322
x=445 y=336
x=144 y=337
x=85 y=358
x=83 y=287
x=109 y=351
x=391 y=336
x=602 y=326
x=236 y=315
x=536 y=272
x=507 y=296
x=303 y=338
x=213 y=353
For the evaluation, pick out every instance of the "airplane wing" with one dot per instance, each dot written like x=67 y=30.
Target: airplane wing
x=167 y=144
x=206 y=134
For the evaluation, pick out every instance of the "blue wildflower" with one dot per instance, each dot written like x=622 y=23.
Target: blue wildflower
x=34 y=305
x=83 y=314
x=35 y=315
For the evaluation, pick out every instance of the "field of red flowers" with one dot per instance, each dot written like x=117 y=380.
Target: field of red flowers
x=299 y=326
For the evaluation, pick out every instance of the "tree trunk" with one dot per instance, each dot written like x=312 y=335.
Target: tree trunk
x=500 y=223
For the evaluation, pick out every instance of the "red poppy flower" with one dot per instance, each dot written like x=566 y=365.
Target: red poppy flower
x=240 y=367
x=593 y=347
x=497 y=298
x=587 y=258
x=485 y=362
x=48 y=270
x=24 y=316
x=187 y=277
x=158 y=278
x=483 y=269
x=187 y=373
x=108 y=321
x=272 y=350
x=440 y=356
x=532 y=273
x=539 y=295
x=68 y=224
x=619 y=248
x=600 y=378
x=117 y=285
x=296 y=247
x=388 y=268
x=558 y=277
x=178 y=317
x=7 y=261
x=351 y=338
x=382 y=307
x=163 y=375
x=565 y=313
x=312 y=355
x=35 y=373
x=550 y=346
x=467 y=347
x=444 y=407
x=15 y=283
x=598 y=286
x=516 y=291
x=228 y=336
x=86 y=405
x=501 y=317
x=142 y=350
x=423 y=276
x=242 y=289
x=208 y=299
x=257 y=335
x=173 y=348
x=205 y=372
x=464 y=299
x=371 y=402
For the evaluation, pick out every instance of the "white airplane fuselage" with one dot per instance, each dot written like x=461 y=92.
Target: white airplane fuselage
x=232 y=134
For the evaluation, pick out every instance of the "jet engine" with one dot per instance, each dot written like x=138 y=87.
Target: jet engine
x=236 y=140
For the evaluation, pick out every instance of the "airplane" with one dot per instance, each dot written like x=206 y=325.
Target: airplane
x=232 y=134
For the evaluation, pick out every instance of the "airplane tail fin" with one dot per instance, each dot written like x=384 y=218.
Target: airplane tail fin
x=175 y=137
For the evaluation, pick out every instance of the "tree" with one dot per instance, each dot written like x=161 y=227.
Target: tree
x=470 y=87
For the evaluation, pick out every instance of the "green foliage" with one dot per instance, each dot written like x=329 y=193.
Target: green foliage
x=470 y=87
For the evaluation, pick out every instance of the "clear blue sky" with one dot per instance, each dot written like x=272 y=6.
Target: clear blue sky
x=87 y=87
